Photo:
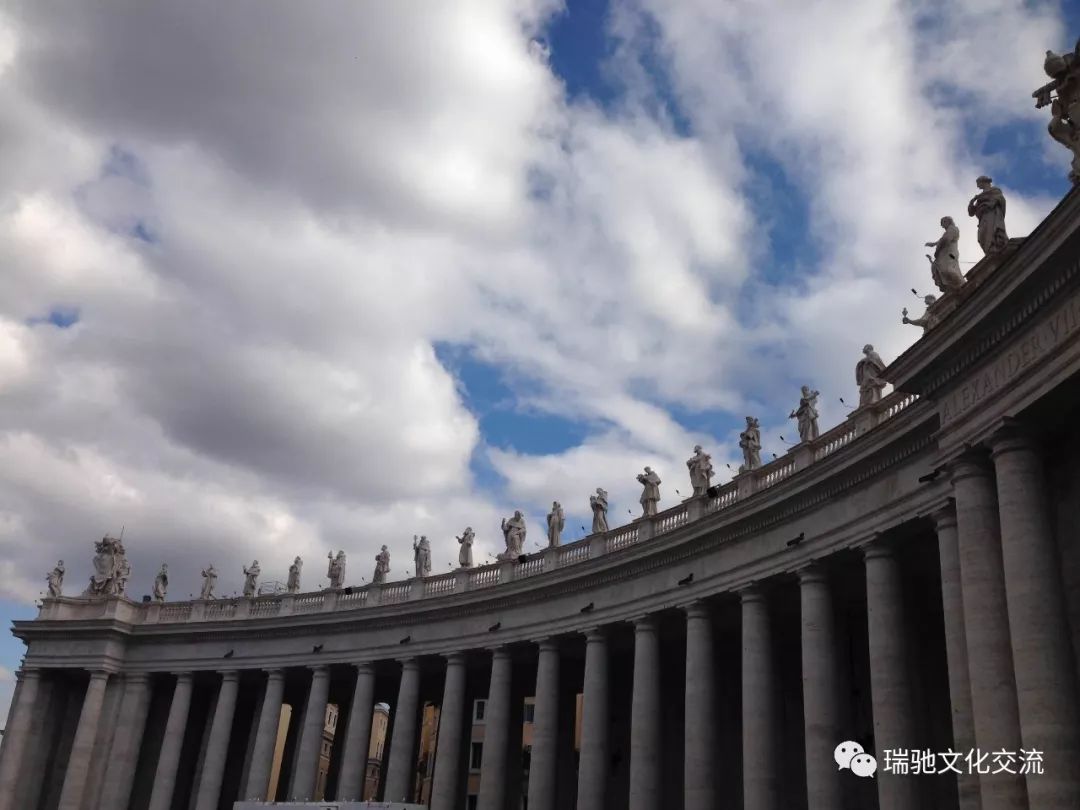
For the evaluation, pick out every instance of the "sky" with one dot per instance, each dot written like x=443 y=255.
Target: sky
x=281 y=278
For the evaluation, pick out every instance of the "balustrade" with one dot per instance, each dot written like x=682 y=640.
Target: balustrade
x=622 y=537
x=572 y=554
x=444 y=583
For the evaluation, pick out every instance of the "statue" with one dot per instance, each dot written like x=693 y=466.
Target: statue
x=209 y=582
x=1064 y=127
x=807 y=414
x=928 y=320
x=868 y=376
x=161 y=583
x=598 y=502
x=945 y=266
x=556 y=520
x=251 y=578
x=514 y=533
x=750 y=442
x=421 y=556
x=335 y=569
x=111 y=569
x=382 y=566
x=701 y=471
x=55 y=578
x=466 y=541
x=989 y=207
x=650 y=493
x=292 y=584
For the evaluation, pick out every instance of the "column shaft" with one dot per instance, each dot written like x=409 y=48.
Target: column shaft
x=593 y=760
x=543 y=765
x=169 y=759
x=357 y=735
x=1045 y=668
x=451 y=730
x=266 y=734
x=71 y=795
x=307 y=760
x=217 y=746
x=402 y=764
x=760 y=749
x=497 y=741
x=821 y=710
x=645 y=729
x=127 y=739
x=699 y=771
x=17 y=735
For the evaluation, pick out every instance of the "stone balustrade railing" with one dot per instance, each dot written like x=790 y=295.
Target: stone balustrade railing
x=485 y=576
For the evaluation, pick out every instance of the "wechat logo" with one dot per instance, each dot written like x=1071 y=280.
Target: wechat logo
x=851 y=755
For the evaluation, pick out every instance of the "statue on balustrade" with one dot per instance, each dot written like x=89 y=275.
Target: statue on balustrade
x=1064 y=72
x=161 y=583
x=251 y=578
x=382 y=566
x=335 y=569
x=750 y=443
x=209 y=582
x=292 y=584
x=701 y=471
x=466 y=541
x=868 y=376
x=928 y=320
x=807 y=414
x=599 y=505
x=556 y=520
x=514 y=533
x=55 y=579
x=111 y=569
x=421 y=556
x=988 y=206
x=945 y=265
x=650 y=493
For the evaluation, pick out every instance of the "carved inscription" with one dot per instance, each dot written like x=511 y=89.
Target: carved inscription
x=1039 y=342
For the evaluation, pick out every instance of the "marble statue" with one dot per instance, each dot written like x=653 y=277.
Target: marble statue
x=111 y=569
x=928 y=320
x=421 y=556
x=251 y=578
x=988 y=206
x=556 y=520
x=55 y=578
x=599 y=505
x=161 y=583
x=650 y=493
x=513 y=530
x=868 y=376
x=701 y=470
x=209 y=582
x=1064 y=127
x=335 y=569
x=945 y=265
x=807 y=414
x=466 y=541
x=292 y=584
x=382 y=566
x=750 y=442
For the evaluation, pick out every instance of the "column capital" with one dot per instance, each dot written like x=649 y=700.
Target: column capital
x=812 y=573
x=595 y=635
x=645 y=623
x=972 y=463
x=25 y=673
x=878 y=548
x=944 y=517
x=499 y=651
x=364 y=666
x=1013 y=436
x=455 y=658
x=229 y=675
x=276 y=674
x=99 y=675
x=137 y=677
x=409 y=664
x=750 y=592
x=547 y=643
x=319 y=669
x=697 y=609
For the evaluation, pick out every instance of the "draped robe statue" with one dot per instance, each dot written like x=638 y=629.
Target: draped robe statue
x=868 y=376
x=161 y=583
x=928 y=320
x=556 y=520
x=55 y=578
x=251 y=578
x=750 y=443
x=514 y=533
x=292 y=584
x=807 y=414
x=701 y=470
x=209 y=582
x=111 y=569
x=382 y=566
x=599 y=505
x=945 y=266
x=422 y=556
x=466 y=541
x=1064 y=72
x=650 y=492
x=335 y=569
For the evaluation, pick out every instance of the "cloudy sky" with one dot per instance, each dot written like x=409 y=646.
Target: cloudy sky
x=280 y=278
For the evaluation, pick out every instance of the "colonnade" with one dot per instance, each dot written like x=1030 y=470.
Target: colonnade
x=1010 y=684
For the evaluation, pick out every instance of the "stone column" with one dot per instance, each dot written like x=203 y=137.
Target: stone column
x=994 y=706
x=593 y=761
x=543 y=763
x=890 y=686
x=645 y=730
x=497 y=741
x=699 y=748
x=307 y=760
x=124 y=754
x=821 y=708
x=266 y=733
x=17 y=735
x=402 y=765
x=217 y=746
x=952 y=605
x=1046 y=678
x=357 y=735
x=71 y=795
x=169 y=759
x=444 y=786
x=760 y=774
